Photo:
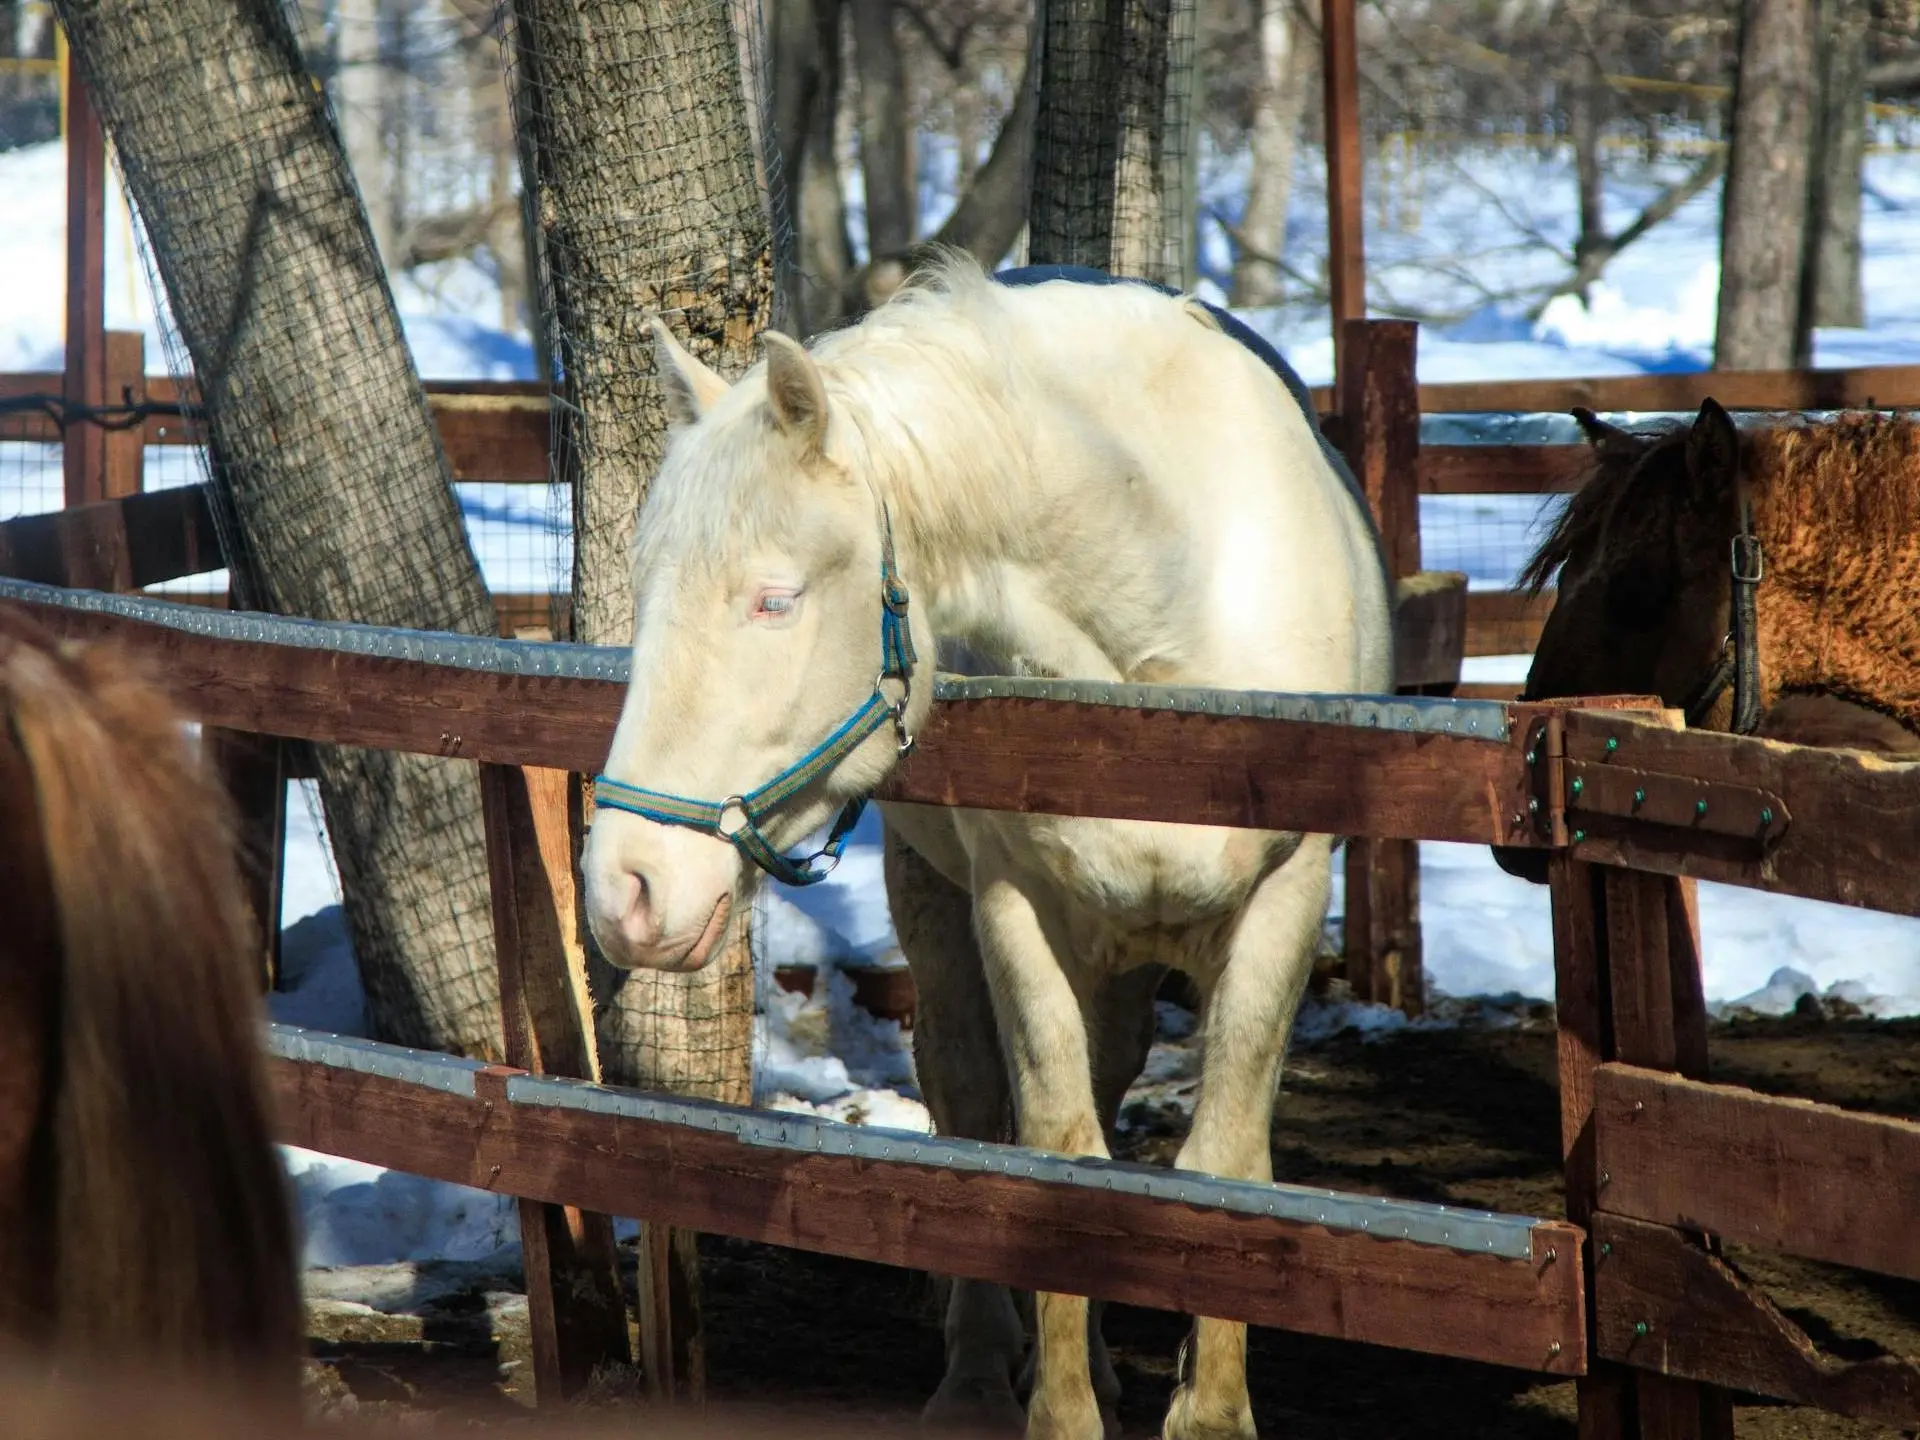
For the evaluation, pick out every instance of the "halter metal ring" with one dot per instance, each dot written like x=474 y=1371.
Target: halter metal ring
x=737 y=805
x=904 y=742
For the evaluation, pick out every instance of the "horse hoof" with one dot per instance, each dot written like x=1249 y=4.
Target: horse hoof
x=1189 y=1419
x=975 y=1404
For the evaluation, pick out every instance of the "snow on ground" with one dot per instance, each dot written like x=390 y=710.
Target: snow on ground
x=1488 y=937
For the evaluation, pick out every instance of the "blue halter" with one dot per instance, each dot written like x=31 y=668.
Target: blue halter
x=737 y=818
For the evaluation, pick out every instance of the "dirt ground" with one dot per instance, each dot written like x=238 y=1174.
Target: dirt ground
x=1461 y=1116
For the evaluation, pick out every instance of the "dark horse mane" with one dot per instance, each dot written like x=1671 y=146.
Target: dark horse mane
x=153 y=1214
x=1835 y=507
x=1601 y=486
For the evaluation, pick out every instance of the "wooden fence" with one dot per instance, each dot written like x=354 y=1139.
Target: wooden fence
x=1621 y=1293
x=499 y=432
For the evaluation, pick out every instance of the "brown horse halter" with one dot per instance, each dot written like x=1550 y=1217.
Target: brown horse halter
x=1738 y=662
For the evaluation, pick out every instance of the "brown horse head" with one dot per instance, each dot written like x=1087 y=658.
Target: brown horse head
x=1641 y=554
x=143 y=1210
x=1642 y=559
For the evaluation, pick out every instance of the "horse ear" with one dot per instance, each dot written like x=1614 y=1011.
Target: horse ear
x=691 y=388
x=1713 y=447
x=795 y=390
x=1609 y=441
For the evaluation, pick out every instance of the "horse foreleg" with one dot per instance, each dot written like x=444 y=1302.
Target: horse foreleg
x=1250 y=1002
x=1046 y=1046
x=1119 y=1017
x=956 y=1056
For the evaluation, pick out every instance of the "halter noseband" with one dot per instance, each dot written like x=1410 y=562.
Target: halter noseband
x=1739 y=660
x=737 y=818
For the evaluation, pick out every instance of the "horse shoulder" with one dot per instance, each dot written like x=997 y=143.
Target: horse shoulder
x=1831 y=722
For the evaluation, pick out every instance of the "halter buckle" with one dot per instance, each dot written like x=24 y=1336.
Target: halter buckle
x=1749 y=560
x=734 y=804
x=898 y=709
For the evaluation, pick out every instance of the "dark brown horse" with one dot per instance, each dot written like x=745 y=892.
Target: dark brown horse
x=144 y=1215
x=1765 y=581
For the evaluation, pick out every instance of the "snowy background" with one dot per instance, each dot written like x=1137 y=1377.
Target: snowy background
x=1486 y=935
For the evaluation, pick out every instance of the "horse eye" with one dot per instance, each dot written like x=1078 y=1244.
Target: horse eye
x=775 y=602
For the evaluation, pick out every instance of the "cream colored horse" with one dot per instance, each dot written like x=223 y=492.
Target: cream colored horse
x=1086 y=481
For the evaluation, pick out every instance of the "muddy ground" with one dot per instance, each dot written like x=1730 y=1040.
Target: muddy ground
x=1460 y=1116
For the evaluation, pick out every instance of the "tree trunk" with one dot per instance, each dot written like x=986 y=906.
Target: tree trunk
x=1279 y=102
x=1587 y=119
x=360 y=100
x=1098 y=188
x=805 y=39
x=1140 y=178
x=1763 y=216
x=324 y=450
x=987 y=218
x=1076 y=135
x=1832 y=292
x=649 y=205
x=886 y=128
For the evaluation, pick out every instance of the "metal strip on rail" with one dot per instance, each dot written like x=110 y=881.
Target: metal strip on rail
x=1464 y=719
x=1477 y=1232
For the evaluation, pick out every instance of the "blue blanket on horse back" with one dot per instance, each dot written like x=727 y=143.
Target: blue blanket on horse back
x=1239 y=330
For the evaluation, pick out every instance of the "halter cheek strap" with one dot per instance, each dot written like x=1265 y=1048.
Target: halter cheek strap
x=1738 y=663
x=737 y=818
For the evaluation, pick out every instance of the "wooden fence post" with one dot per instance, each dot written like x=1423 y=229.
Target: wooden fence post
x=1340 y=88
x=83 y=445
x=1378 y=401
x=124 y=463
x=253 y=768
x=1627 y=986
x=575 y=1307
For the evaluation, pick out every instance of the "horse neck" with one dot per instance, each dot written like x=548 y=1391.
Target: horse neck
x=1836 y=523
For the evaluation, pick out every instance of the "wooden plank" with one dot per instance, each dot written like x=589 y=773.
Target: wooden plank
x=84 y=444
x=1604 y=1396
x=1658 y=1018
x=123 y=467
x=1113 y=1245
x=1429 y=628
x=1503 y=691
x=1894 y=386
x=1445 y=469
x=253 y=769
x=1029 y=755
x=1340 y=91
x=1814 y=1180
x=1506 y=622
x=121 y=544
x=1500 y=469
x=576 y=1311
x=1380 y=428
x=1669 y=1307
x=1854 y=819
x=493 y=437
x=1381 y=937
x=1044 y=756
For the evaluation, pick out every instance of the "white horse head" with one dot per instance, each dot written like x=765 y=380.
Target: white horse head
x=763 y=575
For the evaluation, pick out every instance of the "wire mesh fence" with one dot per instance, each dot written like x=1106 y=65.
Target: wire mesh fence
x=656 y=192
x=330 y=489
x=1111 y=183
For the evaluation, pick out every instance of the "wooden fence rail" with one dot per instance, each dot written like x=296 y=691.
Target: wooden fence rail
x=602 y=1153
x=1626 y=947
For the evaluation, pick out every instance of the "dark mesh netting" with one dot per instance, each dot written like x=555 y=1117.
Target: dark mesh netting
x=1112 y=186
x=642 y=140
x=326 y=467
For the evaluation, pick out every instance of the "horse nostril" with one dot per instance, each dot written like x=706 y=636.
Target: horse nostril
x=636 y=914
